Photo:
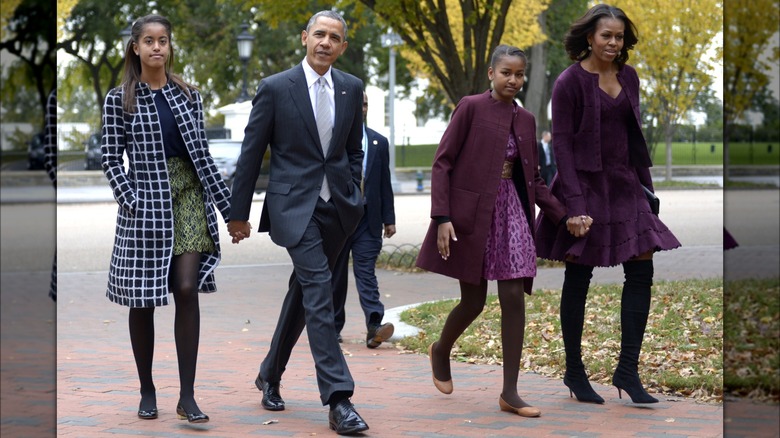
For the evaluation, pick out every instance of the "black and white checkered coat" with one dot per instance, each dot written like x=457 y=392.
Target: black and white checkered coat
x=50 y=164
x=50 y=137
x=143 y=246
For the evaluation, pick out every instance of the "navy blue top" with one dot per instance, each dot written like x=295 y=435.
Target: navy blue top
x=173 y=143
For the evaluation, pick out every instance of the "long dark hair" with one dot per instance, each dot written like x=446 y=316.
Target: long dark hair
x=132 y=69
x=576 y=40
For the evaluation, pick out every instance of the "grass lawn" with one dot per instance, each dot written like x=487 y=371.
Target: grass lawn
x=683 y=154
x=682 y=352
x=763 y=153
x=751 y=342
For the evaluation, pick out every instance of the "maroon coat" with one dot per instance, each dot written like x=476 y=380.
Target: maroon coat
x=464 y=182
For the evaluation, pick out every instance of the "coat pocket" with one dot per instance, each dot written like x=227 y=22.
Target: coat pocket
x=463 y=210
x=278 y=187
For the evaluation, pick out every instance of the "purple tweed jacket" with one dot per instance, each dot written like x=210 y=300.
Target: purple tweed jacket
x=576 y=129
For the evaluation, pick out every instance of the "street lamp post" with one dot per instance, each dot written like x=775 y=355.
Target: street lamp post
x=392 y=39
x=245 y=40
x=126 y=34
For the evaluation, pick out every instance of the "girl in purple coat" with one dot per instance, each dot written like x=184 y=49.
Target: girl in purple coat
x=484 y=184
x=603 y=163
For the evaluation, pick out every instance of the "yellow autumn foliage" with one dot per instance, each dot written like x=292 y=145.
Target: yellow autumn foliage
x=63 y=12
x=672 y=56
x=749 y=27
x=521 y=29
x=6 y=13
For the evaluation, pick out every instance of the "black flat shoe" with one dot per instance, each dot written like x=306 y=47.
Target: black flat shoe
x=345 y=420
x=147 y=414
x=190 y=417
x=147 y=411
x=272 y=398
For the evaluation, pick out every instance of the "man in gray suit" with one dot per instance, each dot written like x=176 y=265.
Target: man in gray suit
x=311 y=118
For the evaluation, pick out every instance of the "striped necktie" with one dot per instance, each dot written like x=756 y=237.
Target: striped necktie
x=324 y=127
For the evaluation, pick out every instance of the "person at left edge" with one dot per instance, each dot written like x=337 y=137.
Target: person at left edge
x=50 y=164
x=311 y=118
x=167 y=235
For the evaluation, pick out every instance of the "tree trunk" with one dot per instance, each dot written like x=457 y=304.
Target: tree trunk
x=536 y=96
x=536 y=86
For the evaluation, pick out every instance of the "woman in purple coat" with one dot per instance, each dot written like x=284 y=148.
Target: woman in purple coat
x=484 y=184
x=603 y=163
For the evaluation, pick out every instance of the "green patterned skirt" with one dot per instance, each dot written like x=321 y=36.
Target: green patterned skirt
x=190 y=227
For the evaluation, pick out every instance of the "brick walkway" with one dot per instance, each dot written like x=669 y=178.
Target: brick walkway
x=97 y=385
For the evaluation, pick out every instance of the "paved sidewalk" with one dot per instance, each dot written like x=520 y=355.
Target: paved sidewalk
x=97 y=385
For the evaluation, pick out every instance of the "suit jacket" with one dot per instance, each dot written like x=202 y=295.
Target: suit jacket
x=547 y=168
x=464 y=182
x=282 y=118
x=378 y=190
x=143 y=244
x=544 y=164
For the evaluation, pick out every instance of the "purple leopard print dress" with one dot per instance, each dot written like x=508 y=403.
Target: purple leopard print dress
x=510 y=251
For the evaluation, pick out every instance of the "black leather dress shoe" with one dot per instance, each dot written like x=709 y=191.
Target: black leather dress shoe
x=378 y=334
x=345 y=420
x=272 y=399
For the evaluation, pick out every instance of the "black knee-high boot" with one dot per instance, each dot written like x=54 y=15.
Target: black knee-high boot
x=575 y=290
x=634 y=308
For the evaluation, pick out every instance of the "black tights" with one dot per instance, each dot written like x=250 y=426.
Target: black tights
x=183 y=280
x=472 y=301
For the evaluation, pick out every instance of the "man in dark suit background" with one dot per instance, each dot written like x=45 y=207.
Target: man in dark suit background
x=310 y=117
x=547 y=166
x=366 y=243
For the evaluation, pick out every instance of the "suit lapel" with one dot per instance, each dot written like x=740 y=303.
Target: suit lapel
x=299 y=92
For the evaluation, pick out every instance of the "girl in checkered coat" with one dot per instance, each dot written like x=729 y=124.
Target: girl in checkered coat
x=167 y=236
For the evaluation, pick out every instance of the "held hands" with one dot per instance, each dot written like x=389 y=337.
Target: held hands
x=446 y=232
x=239 y=230
x=579 y=226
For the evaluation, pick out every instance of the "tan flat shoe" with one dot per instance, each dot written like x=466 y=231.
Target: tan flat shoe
x=444 y=387
x=528 y=411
